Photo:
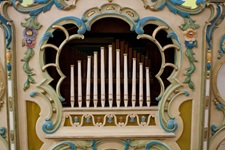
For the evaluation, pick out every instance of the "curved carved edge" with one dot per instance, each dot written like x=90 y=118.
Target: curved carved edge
x=136 y=144
x=110 y=10
x=216 y=70
x=40 y=6
x=189 y=29
x=52 y=96
x=216 y=139
x=222 y=47
x=215 y=128
x=50 y=125
x=59 y=25
x=175 y=6
x=217 y=16
x=5 y=24
x=161 y=26
x=169 y=125
x=217 y=131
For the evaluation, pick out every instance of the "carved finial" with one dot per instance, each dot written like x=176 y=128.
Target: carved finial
x=110 y=1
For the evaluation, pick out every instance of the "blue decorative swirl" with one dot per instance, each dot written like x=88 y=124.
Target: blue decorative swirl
x=155 y=142
x=127 y=145
x=48 y=125
x=2 y=132
x=177 y=11
x=177 y=2
x=172 y=124
x=93 y=145
x=158 y=98
x=161 y=5
x=8 y=31
x=32 y=94
x=141 y=23
x=211 y=28
x=79 y=23
x=190 y=45
x=222 y=48
x=45 y=8
x=41 y=1
x=186 y=93
x=198 y=2
x=46 y=36
x=214 y=129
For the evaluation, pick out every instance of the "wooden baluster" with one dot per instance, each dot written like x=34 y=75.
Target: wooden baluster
x=148 y=97
x=134 y=83
x=72 y=86
x=102 y=76
x=79 y=83
x=125 y=81
x=110 y=77
x=140 y=84
x=118 y=77
x=88 y=85
x=95 y=95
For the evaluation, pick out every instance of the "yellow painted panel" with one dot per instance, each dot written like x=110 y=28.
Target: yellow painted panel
x=185 y=112
x=33 y=110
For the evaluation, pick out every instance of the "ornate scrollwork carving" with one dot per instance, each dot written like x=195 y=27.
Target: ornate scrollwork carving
x=168 y=125
x=175 y=6
x=40 y=6
x=110 y=10
x=126 y=144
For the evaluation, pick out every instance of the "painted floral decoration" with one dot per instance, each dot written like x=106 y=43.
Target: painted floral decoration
x=29 y=35
x=190 y=35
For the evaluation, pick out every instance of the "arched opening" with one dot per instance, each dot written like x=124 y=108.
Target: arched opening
x=115 y=32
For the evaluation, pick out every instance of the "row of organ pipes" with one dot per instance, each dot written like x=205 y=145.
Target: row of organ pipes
x=137 y=71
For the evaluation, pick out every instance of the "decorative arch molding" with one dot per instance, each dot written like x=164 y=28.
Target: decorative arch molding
x=53 y=96
x=110 y=10
x=118 y=144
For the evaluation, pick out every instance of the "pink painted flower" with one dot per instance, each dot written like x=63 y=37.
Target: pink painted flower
x=29 y=43
x=29 y=35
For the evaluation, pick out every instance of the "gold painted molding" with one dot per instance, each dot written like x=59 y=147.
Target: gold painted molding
x=218 y=66
x=2 y=85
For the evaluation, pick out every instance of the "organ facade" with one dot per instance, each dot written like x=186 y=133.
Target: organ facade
x=112 y=75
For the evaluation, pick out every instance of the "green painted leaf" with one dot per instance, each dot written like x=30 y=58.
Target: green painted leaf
x=31 y=80
x=26 y=85
x=138 y=143
x=187 y=80
x=191 y=85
